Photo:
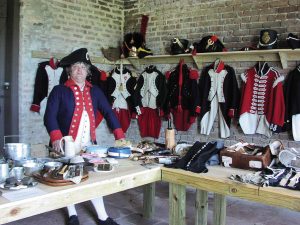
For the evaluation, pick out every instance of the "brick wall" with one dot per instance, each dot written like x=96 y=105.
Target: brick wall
x=61 y=25
x=236 y=22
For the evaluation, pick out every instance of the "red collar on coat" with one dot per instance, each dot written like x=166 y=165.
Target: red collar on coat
x=71 y=82
x=53 y=62
x=218 y=66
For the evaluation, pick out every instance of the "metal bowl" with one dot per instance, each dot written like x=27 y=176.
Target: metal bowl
x=21 y=162
x=32 y=167
x=52 y=165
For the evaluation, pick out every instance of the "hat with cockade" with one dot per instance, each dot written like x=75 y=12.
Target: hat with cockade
x=209 y=43
x=268 y=39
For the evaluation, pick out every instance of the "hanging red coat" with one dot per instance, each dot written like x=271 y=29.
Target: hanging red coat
x=182 y=99
x=262 y=103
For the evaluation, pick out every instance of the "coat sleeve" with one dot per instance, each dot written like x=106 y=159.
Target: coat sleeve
x=130 y=85
x=51 y=115
x=195 y=107
x=40 y=87
x=204 y=87
x=277 y=103
x=161 y=85
x=287 y=90
x=233 y=93
x=137 y=98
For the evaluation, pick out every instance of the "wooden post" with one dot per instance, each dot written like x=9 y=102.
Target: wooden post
x=201 y=206
x=177 y=198
x=148 y=200
x=219 y=209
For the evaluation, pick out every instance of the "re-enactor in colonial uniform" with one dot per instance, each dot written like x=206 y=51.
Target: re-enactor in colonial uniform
x=71 y=110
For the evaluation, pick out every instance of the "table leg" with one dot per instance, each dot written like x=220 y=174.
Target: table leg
x=219 y=209
x=177 y=199
x=201 y=205
x=148 y=200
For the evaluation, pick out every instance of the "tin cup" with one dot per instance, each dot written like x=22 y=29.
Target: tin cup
x=4 y=171
x=17 y=172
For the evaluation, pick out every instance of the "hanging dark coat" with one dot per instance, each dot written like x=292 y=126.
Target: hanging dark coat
x=291 y=91
x=47 y=76
x=182 y=98
x=218 y=83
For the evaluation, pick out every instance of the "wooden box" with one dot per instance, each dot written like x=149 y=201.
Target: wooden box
x=244 y=160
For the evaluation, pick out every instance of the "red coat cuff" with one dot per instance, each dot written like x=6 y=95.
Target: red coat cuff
x=161 y=113
x=55 y=135
x=231 y=113
x=198 y=109
x=192 y=119
x=35 y=108
x=134 y=115
x=103 y=76
x=118 y=133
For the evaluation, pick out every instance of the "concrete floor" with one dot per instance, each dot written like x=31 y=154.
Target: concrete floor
x=126 y=208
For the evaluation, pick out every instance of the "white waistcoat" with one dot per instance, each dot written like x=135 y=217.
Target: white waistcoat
x=120 y=93
x=217 y=82
x=149 y=90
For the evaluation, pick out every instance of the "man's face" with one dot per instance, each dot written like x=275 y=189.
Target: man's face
x=79 y=71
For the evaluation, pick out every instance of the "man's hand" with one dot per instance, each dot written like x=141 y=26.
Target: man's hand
x=56 y=145
x=122 y=143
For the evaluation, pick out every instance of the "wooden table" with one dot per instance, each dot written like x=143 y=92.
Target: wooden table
x=128 y=174
x=131 y=174
x=216 y=180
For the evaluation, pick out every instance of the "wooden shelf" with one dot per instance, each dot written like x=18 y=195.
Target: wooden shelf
x=59 y=55
x=273 y=55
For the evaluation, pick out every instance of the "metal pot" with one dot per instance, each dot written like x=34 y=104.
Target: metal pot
x=17 y=151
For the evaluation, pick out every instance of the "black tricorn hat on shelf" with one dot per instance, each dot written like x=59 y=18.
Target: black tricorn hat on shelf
x=79 y=55
x=209 y=44
x=293 y=41
x=179 y=46
x=268 y=39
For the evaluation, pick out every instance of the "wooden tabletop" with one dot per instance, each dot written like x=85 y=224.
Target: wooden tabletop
x=128 y=174
x=216 y=180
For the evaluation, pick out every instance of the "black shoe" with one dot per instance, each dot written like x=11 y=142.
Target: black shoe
x=73 y=220
x=108 y=221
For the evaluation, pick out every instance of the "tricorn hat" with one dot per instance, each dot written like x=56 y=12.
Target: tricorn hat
x=79 y=55
x=267 y=39
x=179 y=46
x=209 y=44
